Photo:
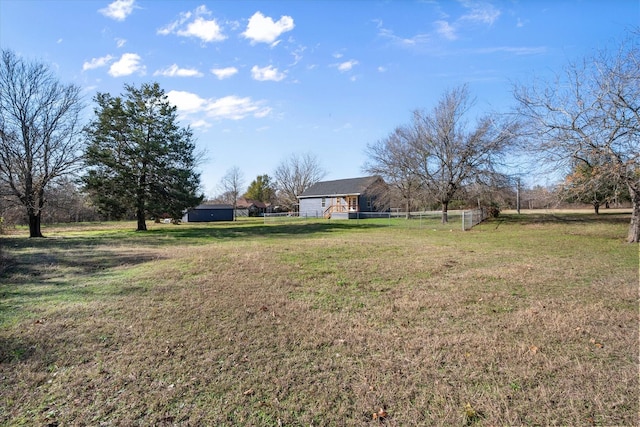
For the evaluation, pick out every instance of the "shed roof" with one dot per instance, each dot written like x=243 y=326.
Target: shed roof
x=340 y=187
x=213 y=206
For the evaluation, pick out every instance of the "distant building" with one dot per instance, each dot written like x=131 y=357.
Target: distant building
x=209 y=213
x=249 y=207
x=343 y=198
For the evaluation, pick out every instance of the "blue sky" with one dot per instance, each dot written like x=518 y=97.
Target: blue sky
x=259 y=81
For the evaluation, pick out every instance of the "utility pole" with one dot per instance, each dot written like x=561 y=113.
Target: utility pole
x=518 y=195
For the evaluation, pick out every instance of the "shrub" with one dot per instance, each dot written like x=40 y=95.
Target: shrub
x=493 y=210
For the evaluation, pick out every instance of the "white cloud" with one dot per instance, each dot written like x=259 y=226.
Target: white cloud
x=173 y=26
x=262 y=29
x=268 y=73
x=297 y=54
x=175 y=71
x=405 y=42
x=206 y=30
x=382 y=69
x=235 y=108
x=120 y=42
x=193 y=107
x=446 y=30
x=192 y=24
x=200 y=124
x=483 y=13
x=224 y=73
x=128 y=64
x=347 y=65
x=514 y=50
x=96 y=63
x=476 y=13
x=119 y=9
x=185 y=101
x=345 y=126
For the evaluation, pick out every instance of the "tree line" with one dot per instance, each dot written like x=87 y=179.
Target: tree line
x=291 y=178
x=134 y=159
x=585 y=123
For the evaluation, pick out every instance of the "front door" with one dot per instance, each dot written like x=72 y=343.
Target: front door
x=352 y=201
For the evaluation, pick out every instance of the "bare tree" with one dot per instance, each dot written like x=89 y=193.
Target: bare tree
x=446 y=154
x=539 y=197
x=294 y=175
x=232 y=184
x=389 y=158
x=67 y=203
x=39 y=132
x=591 y=111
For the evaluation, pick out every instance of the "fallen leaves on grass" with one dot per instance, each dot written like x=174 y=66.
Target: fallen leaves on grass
x=381 y=415
x=471 y=415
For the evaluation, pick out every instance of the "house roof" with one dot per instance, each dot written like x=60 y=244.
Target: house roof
x=340 y=187
x=213 y=206
x=247 y=203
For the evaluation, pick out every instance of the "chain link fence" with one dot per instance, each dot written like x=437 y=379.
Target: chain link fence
x=456 y=219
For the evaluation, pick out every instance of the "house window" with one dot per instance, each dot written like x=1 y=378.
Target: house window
x=369 y=203
x=324 y=202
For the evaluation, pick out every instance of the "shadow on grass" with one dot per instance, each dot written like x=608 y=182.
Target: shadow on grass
x=554 y=217
x=231 y=231
x=55 y=271
x=70 y=267
x=16 y=349
x=172 y=234
x=49 y=258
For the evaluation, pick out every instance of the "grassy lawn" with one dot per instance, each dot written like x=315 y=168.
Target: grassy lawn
x=524 y=320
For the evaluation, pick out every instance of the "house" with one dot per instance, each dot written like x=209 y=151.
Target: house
x=343 y=198
x=249 y=207
x=209 y=213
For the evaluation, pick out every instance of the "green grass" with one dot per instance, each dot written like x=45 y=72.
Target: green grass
x=524 y=320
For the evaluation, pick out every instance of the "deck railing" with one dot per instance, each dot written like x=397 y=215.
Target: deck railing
x=339 y=208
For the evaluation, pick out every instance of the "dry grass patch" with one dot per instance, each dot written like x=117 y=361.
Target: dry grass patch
x=514 y=323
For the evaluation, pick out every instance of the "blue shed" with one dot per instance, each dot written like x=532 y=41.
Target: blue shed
x=209 y=213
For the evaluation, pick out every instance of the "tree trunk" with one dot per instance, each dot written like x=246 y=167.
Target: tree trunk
x=34 y=225
x=596 y=208
x=445 y=210
x=140 y=196
x=142 y=223
x=634 y=226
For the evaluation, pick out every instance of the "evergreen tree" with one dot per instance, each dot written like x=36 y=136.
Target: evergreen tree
x=261 y=189
x=139 y=160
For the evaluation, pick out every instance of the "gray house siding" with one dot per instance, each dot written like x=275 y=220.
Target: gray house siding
x=209 y=213
x=311 y=208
